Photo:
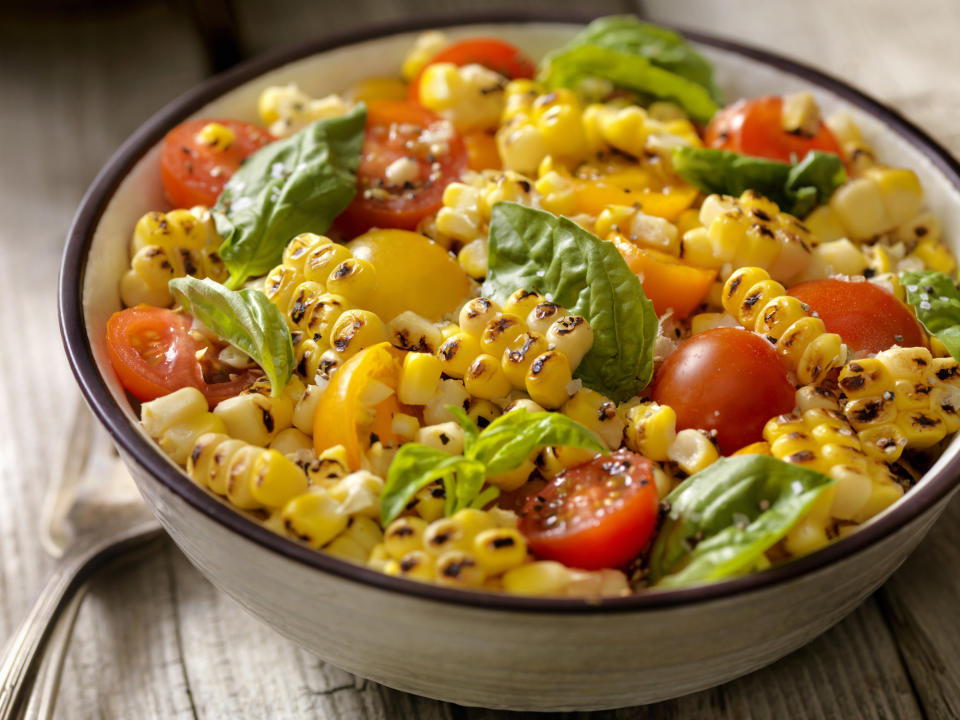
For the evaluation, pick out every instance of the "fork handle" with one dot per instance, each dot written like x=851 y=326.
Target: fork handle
x=21 y=658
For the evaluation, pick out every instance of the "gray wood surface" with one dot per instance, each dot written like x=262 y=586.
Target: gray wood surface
x=155 y=640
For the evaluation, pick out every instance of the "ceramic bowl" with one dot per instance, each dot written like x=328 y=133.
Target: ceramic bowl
x=473 y=648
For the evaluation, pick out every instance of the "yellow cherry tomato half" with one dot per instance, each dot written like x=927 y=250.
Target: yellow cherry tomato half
x=342 y=415
x=413 y=273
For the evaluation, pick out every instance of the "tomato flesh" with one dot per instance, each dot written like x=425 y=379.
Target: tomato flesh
x=868 y=318
x=493 y=53
x=153 y=354
x=726 y=379
x=596 y=515
x=398 y=131
x=753 y=127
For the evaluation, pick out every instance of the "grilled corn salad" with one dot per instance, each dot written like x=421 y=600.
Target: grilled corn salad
x=567 y=328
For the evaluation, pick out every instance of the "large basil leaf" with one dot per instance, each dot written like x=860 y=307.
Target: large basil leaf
x=796 y=189
x=499 y=448
x=723 y=519
x=936 y=301
x=568 y=68
x=294 y=185
x=536 y=250
x=246 y=319
x=664 y=48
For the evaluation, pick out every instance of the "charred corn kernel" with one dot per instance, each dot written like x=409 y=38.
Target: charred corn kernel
x=353 y=279
x=314 y=517
x=459 y=568
x=800 y=114
x=305 y=408
x=285 y=109
x=425 y=47
x=923 y=227
x=358 y=493
x=456 y=532
x=809 y=397
x=471 y=96
x=555 y=459
x=274 y=479
x=543 y=315
x=410 y=331
x=356 y=330
x=447 y=436
x=598 y=414
x=200 y=463
x=179 y=440
x=291 y=441
x=449 y=392
x=692 y=451
x=514 y=479
x=475 y=315
x=315 y=313
x=255 y=418
x=499 y=549
x=280 y=284
x=419 y=378
x=639 y=228
x=543 y=577
x=802 y=343
x=520 y=303
x=457 y=353
x=810 y=532
x=416 y=565
x=749 y=230
x=473 y=258
x=548 y=379
x=321 y=261
x=404 y=535
x=239 y=474
x=482 y=412
x=486 y=379
x=216 y=473
x=429 y=503
x=520 y=354
x=178 y=407
x=651 y=430
x=573 y=336
x=296 y=251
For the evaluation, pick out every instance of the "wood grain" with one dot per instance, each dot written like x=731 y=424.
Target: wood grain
x=156 y=640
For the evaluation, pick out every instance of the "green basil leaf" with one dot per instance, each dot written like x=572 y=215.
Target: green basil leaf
x=469 y=482
x=664 y=48
x=568 y=68
x=936 y=301
x=294 y=185
x=723 y=519
x=246 y=319
x=470 y=430
x=510 y=439
x=536 y=250
x=796 y=189
x=414 y=467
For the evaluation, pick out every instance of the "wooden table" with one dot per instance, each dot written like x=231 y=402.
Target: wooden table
x=157 y=640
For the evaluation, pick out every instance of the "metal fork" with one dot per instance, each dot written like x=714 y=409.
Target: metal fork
x=93 y=518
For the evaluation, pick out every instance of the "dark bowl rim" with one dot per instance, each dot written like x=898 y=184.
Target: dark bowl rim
x=137 y=447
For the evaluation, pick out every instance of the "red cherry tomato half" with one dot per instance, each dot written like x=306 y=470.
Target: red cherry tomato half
x=868 y=318
x=427 y=144
x=753 y=127
x=727 y=379
x=596 y=515
x=153 y=354
x=194 y=173
x=492 y=53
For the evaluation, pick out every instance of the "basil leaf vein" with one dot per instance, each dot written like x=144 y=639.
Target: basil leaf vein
x=290 y=186
x=536 y=250
x=246 y=319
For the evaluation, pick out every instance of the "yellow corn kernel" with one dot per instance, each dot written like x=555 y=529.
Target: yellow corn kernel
x=255 y=418
x=456 y=532
x=514 y=479
x=485 y=378
x=598 y=414
x=239 y=485
x=482 y=412
x=883 y=494
x=519 y=355
x=356 y=330
x=447 y=436
x=275 y=480
x=449 y=392
x=418 y=565
x=471 y=96
x=499 y=549
x=692 y=451
x=296 y=251
x=218 y=472
x=425 y=47
x=409 y=331
x=354 y=279
x=405 y=426
x=558 y=193
x=936 y=255
x=651 y=430
x=459 y=568
x=499 y=333
x=457 y=353
x=810 y=533
x=475 y=315
x=758 y=448
x=543 y=315
x=429 y=503
x=404 y=535
x=543 y=577
x=555 y=459
x=291 y=441
x=279 y=285
x=900 y=191
x=215 y=136
x=166 y=411
x=200 y=465
x=824 y=224
x=473 y=258
x=548 y=379
x=314 y=517
x=573 y=336
x=322 y=259
x=418 y=378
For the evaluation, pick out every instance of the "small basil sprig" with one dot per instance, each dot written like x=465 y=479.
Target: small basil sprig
x=936 y=301
x=722 y=520
x=294 y=185
x=536 y=250
x=796 y=188
x=502 y=446
x=246 y=319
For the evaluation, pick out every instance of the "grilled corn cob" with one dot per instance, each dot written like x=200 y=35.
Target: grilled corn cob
x=802 y=342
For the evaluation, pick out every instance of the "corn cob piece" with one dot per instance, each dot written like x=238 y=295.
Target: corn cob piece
x=166 y=246
x=749 y=230
x=820 y=438
x=802 y=342
x=652 y=431
x=902 y=398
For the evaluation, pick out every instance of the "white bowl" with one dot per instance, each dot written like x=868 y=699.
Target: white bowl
x=474 y=648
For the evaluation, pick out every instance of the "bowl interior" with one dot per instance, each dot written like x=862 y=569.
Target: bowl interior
x=738 y=74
